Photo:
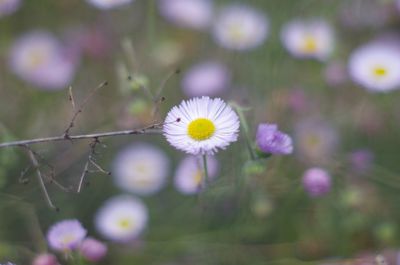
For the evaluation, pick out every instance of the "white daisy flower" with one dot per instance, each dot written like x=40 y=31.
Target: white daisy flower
x=240 y=27
x=189 y=176
x=195 y=14
x=201 y=126
x=308 y=39
x=141 y=169
x=122 y=218
x=108 y=4
x=376 y=66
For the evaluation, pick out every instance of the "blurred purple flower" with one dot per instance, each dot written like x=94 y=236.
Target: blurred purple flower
x=38 y=58
x=240 y=27
x=108 y=4
x=189 y=176
x=7 y=7
x=316 y=140
x=361 y=160
x=195 y=14
x=66 y=235
x=92 y=249
x=297 y=100
x=335 y=73
x=209 y=78
x=316 y=182
x=45 y=259
x=270 y=140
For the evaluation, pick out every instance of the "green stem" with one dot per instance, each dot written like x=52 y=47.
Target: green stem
x=205 y=181
x=245 y=130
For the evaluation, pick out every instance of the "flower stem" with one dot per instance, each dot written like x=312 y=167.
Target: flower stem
x=205 y=181
x=246 y=130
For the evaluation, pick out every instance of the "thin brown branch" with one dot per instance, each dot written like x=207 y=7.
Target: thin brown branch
x=152 y=129
x=80 y=109
x=158 y=99
x=49 y=177
x=35 y=163
x=91 y=161
x=71 y=98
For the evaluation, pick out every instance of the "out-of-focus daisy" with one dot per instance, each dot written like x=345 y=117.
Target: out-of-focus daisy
x=92 y=249
x=195 y=14
x=316 y=140
x=7 y=7
x=316 y=182
x=201 y=126
x=208 y=78
x=308 y=38
x=240 y=27
x=39 y=58
x=141 y=169
x=189 y=176
x=108 y=4
x=66 y=235
x=270 y=140
x=376 y=66
x=122 y=218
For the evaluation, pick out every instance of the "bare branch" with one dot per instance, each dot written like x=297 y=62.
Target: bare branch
x=158 y=99
x=151 y=129
x=91 y=161
x=80 y=109
x=35 y=163
x=71 y=98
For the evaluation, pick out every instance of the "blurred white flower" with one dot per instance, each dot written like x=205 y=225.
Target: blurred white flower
x=308 y=38
x=240 y=27
x=195 y=14
x=376 y=66
x=189 y=176
x=141 y=169
x=209 y=78
x=7 y=7
x=201 y=126
x=122 y=218
x=108 y=4
x=40 y=59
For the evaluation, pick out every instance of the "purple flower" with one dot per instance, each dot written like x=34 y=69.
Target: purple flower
x=66 y=235
x=92 y=249
x=270 y=140
x=361 y=160
x=195 y=14
x=7 y=7
x=209 y=78
x=45 y=259
x=316 y=182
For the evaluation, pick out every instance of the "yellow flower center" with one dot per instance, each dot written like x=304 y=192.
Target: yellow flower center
x=125 y=224
x=201 y=129
x=380 y=71
x=309 y=45
x=198 y=177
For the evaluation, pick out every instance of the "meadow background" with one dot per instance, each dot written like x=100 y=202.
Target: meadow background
x=254 y=212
